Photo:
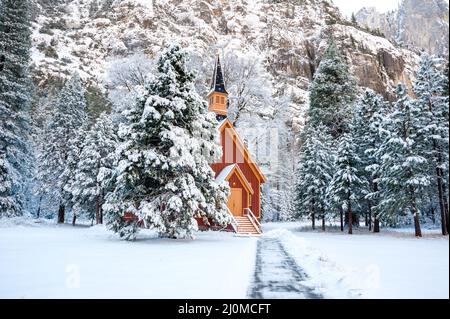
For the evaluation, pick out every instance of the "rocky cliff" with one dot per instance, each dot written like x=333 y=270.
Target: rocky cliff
x=289 y=35
x=416 y=24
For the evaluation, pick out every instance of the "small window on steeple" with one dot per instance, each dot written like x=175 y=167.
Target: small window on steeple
x=222 y=100
x=217 y=99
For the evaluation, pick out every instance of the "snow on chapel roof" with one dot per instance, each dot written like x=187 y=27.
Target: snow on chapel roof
x=224 y=173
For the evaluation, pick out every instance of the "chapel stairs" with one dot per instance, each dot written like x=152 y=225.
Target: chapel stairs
x=246 y=226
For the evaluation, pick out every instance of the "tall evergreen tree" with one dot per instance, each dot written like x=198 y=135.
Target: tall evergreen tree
x=429 y=89
x=353 y=19
x=404 y=165
x=346 y=186
x=62 y=143
x=332 y=92
x=314 y=173
x=15 y=87
x=366 y=127
x=164 y=178
x=94 y=170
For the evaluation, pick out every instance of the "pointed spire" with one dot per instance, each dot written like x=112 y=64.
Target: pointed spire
x=218 y=83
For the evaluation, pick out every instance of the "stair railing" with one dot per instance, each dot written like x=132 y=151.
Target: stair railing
x=234 y=222
x=253 y=219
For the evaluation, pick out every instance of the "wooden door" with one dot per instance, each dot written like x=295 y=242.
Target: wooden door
x=235 y=202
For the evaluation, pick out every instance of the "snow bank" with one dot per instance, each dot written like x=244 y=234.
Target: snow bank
x=24 y=221
x=325 y=276
x=392 y=264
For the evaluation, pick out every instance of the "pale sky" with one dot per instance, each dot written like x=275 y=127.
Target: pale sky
x=349 y=6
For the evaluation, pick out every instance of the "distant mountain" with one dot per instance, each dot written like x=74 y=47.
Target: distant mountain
x=416 y=24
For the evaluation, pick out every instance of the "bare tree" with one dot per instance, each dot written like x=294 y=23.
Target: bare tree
x=128 y=72
x=248 y=83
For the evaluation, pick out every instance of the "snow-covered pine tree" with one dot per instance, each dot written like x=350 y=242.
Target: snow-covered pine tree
x=346 y=186
x=41 y=115
x=429 y=89
x=62 y=143
x=91 y=179
x=314 y=173
x=332 y=92
x=164 y=177
x=446 y=115
x=366 y=126
x=15 y=100
x=404 y=169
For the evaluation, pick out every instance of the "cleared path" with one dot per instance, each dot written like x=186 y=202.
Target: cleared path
x=277 y=275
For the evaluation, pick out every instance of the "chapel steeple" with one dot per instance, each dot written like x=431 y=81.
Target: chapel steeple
x=218 y=95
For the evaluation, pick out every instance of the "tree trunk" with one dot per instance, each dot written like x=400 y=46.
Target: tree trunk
x=323 y=217
x=376 y=225
x=102 y=195
x=39 y=207
x=433 y=215
x=313 y=214
x=350 y=220
x=366 y=222
x=444 y=190
x=74 y=219
x=350 y=217
x=370 y=216
x=376 y=221
x=418 y=231
x=61 y=213
x=441 y=202
x=97 y=210
x=341 y=213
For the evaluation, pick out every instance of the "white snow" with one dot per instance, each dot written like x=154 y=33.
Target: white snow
x=49 y=261
x=224 y=173
x=392 y=265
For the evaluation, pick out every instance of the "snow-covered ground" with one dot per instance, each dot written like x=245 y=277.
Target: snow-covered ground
x=392 y=264
x=49 y=261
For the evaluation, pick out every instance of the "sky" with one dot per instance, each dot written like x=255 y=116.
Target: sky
x=349 y=6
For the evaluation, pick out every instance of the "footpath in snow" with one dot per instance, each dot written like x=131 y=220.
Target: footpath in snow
x=277 y=275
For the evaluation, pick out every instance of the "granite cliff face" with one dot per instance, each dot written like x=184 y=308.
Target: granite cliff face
x=289 y=35
x=416 y=24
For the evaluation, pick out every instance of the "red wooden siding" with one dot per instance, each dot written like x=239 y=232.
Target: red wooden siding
x=238 y=156
x=236 y=183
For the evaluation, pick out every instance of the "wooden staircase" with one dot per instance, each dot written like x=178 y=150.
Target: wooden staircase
x=245 y=225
